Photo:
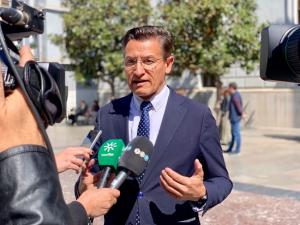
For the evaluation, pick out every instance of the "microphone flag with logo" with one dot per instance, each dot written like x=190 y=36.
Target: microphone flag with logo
x=134 y=160
x=108 y=156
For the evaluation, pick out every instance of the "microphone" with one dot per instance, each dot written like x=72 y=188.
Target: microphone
x=108 y=156
x=91 y=139
x=14 y=16
x=134 y=160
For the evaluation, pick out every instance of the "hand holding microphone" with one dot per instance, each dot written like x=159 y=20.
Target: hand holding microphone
x=132 y=163
x=77 y=158
x=87 y=178
x=135 y=158
x=71 y=158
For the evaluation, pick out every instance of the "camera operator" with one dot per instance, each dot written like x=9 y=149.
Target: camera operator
x=30 y=192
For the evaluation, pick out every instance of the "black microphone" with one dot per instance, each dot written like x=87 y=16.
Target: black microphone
x=14 y=16
x=134 y=160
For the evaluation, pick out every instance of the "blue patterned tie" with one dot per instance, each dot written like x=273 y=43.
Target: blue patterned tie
x=144 y=125
x=143 y=130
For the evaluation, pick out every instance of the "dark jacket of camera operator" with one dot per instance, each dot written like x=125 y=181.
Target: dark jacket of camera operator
x=30 y=192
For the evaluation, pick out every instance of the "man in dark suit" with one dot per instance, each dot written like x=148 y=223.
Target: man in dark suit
x=186 y=173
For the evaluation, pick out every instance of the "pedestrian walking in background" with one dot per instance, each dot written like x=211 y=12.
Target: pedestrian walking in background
x=93 y=111
x=235 y=116
x=95 y=106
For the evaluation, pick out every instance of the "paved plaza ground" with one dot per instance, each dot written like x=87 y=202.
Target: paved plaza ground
x=266 y=176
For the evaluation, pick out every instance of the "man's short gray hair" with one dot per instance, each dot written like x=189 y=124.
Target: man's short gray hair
x=148 y=32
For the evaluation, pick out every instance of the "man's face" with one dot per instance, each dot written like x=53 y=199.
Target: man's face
x=231 y=90
x=145 y=67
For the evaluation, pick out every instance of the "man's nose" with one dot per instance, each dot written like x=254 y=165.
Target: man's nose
x=139 y=68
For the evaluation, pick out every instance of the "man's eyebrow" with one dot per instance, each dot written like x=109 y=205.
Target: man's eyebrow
x=149 y=56
x=143 y=57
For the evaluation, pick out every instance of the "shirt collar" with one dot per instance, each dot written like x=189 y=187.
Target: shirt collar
x=157 y=100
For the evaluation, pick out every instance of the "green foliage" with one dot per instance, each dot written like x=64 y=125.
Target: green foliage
x=93 y=32
x=211 y=35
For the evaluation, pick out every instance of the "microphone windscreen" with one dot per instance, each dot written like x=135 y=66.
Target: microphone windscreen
x=136 y=155
x=110 y=152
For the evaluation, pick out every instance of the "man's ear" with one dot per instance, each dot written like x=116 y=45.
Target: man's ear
x=169 y=63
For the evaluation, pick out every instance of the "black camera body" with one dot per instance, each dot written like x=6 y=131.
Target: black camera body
x=44 y=82
x=280 y=53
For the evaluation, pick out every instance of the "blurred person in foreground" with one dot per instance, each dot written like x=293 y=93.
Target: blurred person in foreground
x=186 y=173
x=30 y=192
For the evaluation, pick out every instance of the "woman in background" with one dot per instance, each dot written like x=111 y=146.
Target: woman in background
x=224 y=128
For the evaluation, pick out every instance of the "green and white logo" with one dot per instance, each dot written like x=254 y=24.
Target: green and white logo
x=110 y=146
x=110 y=152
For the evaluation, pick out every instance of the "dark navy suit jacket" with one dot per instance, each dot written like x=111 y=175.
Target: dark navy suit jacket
x=188 y=132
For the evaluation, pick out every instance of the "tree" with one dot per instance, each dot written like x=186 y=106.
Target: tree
x=211 y=35
x=93 y=32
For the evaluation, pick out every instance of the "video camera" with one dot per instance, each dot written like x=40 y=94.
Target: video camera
x=280 y=53
x=44 y=82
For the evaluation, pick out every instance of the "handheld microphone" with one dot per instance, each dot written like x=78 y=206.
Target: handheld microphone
x=108 y=156
x=91 y=139
x=134 y=159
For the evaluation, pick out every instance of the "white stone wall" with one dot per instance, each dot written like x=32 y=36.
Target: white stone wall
x=265 y=107
x=273 y=107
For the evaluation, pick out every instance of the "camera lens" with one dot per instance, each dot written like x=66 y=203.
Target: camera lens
x=292 y=51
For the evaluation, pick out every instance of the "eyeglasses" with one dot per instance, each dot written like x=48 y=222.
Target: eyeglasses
x=147 y=63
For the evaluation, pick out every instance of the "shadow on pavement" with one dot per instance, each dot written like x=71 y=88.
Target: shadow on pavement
x=269 y=191
x=286 y=137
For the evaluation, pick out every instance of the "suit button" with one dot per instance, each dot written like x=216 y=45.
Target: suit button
x=140 y=194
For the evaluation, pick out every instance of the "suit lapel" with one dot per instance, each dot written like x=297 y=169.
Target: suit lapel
x=174 y=114
x=120 y=114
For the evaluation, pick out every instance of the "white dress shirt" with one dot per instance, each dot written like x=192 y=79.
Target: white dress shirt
x=159 y=103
